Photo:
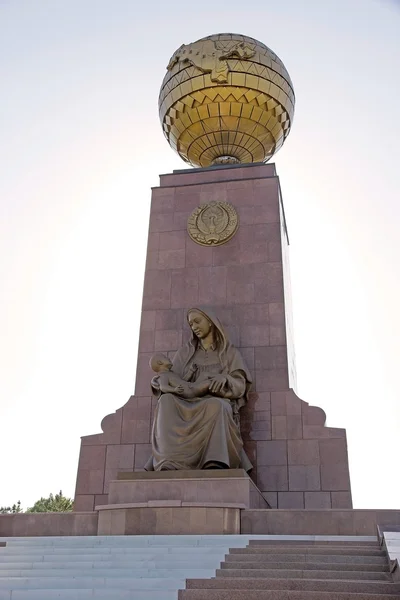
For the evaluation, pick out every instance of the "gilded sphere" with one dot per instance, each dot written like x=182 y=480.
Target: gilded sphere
x=226 y=99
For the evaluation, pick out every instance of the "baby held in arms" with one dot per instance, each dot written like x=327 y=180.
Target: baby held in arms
x=170 y=382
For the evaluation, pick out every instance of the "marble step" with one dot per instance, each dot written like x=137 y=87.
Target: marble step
x=303 y=565
x=100 y=556
x=9 y=569
x=129 y=540
x=184 y=540
x=278 y=595
x=204 y=562
x=329 y=550
x=130 y=583
x=86 y=594
x=176 y=572
x=112 y=550
x=306 y=558
x=367 y=587
x=306 y=574
x=364 y=542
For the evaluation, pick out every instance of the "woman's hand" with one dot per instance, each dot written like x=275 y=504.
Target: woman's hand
x=217 y=383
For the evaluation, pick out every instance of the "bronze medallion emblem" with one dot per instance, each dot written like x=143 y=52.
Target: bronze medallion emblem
x=213 y=223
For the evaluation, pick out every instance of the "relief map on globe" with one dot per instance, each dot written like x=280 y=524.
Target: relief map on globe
x=226 y=98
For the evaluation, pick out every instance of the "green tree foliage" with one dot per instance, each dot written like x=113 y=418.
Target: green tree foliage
x=57 y=503
x=11 y=510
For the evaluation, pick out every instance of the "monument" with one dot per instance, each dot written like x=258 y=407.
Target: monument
x=215 y=425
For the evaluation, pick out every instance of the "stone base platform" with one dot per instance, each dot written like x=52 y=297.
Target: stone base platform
x=178 y=502
x=191 y=519
x=219 y=485
x=281 y=522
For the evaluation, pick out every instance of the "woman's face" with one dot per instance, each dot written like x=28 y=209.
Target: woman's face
x=199 y=324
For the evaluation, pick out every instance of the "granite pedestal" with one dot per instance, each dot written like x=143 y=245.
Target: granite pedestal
x=298 y=461
x=173 y=502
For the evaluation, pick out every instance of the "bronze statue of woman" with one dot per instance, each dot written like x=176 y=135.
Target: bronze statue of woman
x=201 y=431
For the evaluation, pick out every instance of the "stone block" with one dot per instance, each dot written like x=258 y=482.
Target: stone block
x=161 y=222
x=251 y=314
x=153 y=242
x=92 y=457
x=142 y=455
x=136 y=421
x=198 y=256
x=321 y=432
x=90 y=481
x=271 y=498
x=335 y=477
x=187 y=199
x=148 y=321
x=120 y=456
x=162 y=203
x=170 y=520
x=270 y=380
x=271 y=453
x=254 y=335
x=256 y=430
x=227 y=254
x=146 y=341
x=262 y=401
x=276 y=313
x=167 y=340
x=315 y=522
x=278 y=404
x=84 y=502
x=317 y=500
x=303 y=452
x=277 y=335
x=157 y=289
x=294 y=427
x=313 y=415
x=273 y=478
x=49 y=524
x=172 y=240
x=290 y=500
x=271 y=357
x=265 y=292
x=275 y=251
x=184 y=288
x=171 y=259
x=333 y=451
x=248 y=357
x=239 y=293
x=185 y=486
x=304 y=478
x=279 y=428
x=172 y=319
x=293 y=404
x=341 y=500
x=212 y=286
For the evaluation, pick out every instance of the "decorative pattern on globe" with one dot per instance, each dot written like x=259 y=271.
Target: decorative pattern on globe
x=226 y=98
x=213 y=224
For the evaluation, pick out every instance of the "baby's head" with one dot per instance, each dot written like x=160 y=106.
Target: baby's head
x=160 y=363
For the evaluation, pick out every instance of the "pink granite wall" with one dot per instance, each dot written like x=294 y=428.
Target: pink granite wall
x=43 y=524
x=297 y=461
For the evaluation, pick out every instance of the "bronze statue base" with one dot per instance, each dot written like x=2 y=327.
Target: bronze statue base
x=178 y=502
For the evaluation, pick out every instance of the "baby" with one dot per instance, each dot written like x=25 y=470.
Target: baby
x=170 y=382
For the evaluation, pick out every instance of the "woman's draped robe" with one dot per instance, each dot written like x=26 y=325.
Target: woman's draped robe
x=188 y=434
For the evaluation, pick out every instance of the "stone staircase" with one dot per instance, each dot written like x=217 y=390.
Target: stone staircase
x=299 y=570
x=222 y=566
x=108 y=567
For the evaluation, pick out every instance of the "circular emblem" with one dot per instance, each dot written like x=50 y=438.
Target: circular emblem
x=213 y=223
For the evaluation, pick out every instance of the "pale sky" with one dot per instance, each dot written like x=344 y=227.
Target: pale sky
x=80 y=147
